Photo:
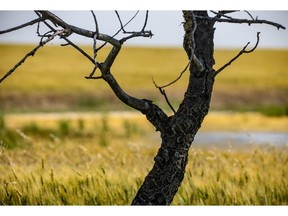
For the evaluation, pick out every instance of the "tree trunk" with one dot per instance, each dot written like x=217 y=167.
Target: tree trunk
x=163 y=181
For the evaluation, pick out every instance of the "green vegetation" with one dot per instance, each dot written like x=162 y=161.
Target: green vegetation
x=274 y=110
x=9 y=138
x=79 y=162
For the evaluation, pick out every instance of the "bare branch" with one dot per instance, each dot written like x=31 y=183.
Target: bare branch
x=134 y=34
x=223 y=14
x=79 y=49
x=120 y=21
x=174 y=81
x=153 y=113
x=167 y=100
x=23 y=25
x=57 y=21
x=141 y=33
x=92 y=77
x=92 y=74
x=249 y=14
x=137 y=34
x=95 y=43
x=161 y=88
x=146 y=19
x=31 y=53
x=240 y=21
x=122 y=26
x=95 y=21
x=162 y=91
x=67 y=40
x=239 y=54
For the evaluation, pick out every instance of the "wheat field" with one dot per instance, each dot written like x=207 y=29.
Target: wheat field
x=104 y=163
x=53 y=80
x=56 y=150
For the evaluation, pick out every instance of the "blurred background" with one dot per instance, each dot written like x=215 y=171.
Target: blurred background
x=70 y=132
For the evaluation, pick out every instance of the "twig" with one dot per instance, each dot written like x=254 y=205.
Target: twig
x=74 y=29
x=68 y=41
x=31 y=53
x=134 y=34
x=79 y=49
x=161 y=88
x=174 y=81
x=162 y=91
x=239 y=54
x=240 y=21
x=122 y=26
x=222 y=14
x=95 y=42
x=23 y=25
x=141 y=33
x=95 y=21
x=91 y=75
x=137 y=34
x=145 y=22
x=167 y=100
x=249 y=14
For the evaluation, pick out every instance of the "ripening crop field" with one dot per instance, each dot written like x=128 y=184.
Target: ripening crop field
x=104 y=161
x=60 y=144
x=54 y=80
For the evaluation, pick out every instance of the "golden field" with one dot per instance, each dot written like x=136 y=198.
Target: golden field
x=79 y=162
x=54 y=79
x=65 y=140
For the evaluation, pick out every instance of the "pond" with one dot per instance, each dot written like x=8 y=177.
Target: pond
x=272 y=138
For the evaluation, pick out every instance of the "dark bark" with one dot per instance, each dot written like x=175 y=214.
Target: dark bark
x=177 y=131
x=163 y=181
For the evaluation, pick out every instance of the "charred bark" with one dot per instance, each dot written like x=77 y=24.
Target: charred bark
x=163 y=181
x=177 y=131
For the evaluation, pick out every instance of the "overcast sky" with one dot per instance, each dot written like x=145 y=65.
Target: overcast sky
x=165 y=25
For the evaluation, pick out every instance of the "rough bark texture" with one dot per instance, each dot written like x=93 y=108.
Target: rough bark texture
x=163 y=181
x=177 y=131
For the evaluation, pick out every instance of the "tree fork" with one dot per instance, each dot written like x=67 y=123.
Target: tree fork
x=177 y=131
x=163 y=181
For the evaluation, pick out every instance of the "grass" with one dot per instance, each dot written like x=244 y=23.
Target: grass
x=65 y=157
x=238 y=177
x=54 y=79
x=68 y=163
x=130 y=122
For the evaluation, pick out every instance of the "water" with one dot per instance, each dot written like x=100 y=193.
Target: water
x=274 y=138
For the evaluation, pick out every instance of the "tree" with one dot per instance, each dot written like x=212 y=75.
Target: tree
x=177 y=130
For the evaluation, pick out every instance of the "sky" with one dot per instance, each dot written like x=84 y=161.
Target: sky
x=166 y=25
